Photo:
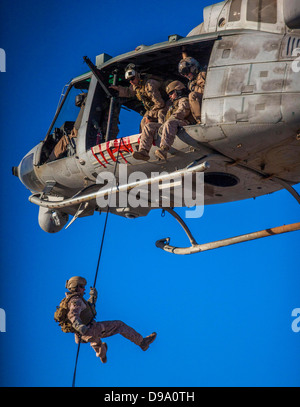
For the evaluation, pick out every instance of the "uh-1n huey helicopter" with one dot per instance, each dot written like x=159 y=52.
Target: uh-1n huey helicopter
x=248 y=141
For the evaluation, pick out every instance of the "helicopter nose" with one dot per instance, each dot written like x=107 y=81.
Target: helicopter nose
x=26 y=173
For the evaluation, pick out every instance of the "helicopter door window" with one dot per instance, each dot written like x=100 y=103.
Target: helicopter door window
x=98 y=119
x=235 y=10
x=262 y=11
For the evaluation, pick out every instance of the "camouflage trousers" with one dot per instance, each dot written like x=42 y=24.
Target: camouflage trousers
x=148 y=133
x=195 y=100
x=104 y=329
x=168 y=132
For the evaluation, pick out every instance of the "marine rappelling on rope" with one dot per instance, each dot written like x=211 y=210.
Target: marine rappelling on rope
x=77 y=315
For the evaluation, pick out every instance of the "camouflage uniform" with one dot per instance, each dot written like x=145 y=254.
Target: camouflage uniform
x=61 y=147
x=148 y=134
x=196 y=88
x=79 y=314
x=148 y=92
x=178 y=115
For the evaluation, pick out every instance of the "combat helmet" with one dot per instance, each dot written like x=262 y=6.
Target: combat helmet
x=188 y=65
x=130 y=72
x=74 y=282
x=175 y=85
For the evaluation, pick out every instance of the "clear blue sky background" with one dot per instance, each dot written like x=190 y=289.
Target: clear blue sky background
x=223 y=317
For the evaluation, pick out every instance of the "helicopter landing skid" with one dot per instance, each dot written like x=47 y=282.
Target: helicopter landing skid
x=198 y=248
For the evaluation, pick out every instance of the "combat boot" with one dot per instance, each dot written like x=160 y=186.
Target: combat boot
x=102 y=353
x=141 y=155
x=162 y=153
x=147 y=341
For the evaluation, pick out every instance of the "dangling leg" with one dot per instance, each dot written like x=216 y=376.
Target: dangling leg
x=118 y=327
x=169 y=131
x=146 y=141
x=93 y=336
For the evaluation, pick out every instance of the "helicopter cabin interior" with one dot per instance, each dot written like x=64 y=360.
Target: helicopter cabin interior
x=90 y=118
x=159 y=62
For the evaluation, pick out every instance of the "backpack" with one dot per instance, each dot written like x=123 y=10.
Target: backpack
x=61 y=315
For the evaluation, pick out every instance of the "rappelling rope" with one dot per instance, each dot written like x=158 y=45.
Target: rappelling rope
x=75 y=368
x=99 y=258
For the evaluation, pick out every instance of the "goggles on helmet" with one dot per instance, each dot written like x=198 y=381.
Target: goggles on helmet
x=130 y=74
x=188 y=65
x=184 y=68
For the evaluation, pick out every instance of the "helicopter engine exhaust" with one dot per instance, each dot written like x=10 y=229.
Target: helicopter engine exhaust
x=52 y=221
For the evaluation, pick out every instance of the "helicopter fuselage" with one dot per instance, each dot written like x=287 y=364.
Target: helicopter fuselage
x=249 y=130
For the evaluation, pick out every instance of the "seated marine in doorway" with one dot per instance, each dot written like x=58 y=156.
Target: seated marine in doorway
x=61 y=147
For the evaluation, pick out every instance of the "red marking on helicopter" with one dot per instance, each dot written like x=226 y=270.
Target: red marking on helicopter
x=113 y=147
x=94 y=154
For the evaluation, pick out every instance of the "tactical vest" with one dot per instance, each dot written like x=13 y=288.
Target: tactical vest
x=171 y=109
x=61 y=314
x=193 y=84
x=141 y=93
x=189 y=119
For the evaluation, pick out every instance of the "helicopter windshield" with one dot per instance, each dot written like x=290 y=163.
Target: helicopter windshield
x=60 y=141
x=68 y=109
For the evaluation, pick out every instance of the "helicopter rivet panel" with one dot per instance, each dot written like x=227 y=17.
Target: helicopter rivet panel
x=241 y=48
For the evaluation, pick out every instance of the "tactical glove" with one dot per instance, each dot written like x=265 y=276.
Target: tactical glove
x=93 y=295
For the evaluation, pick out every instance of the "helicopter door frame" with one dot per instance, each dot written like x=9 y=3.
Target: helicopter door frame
x=82 y=131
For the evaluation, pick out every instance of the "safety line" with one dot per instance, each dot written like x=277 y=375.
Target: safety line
x=105 y=223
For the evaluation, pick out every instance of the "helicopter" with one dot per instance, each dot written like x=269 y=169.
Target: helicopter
x=247 y=144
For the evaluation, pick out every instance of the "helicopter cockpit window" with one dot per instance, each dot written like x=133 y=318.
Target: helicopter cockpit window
x=235 y=10
x=61 y=138
x=262 y=11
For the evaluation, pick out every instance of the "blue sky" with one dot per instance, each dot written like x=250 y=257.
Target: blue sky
x=223 y=317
